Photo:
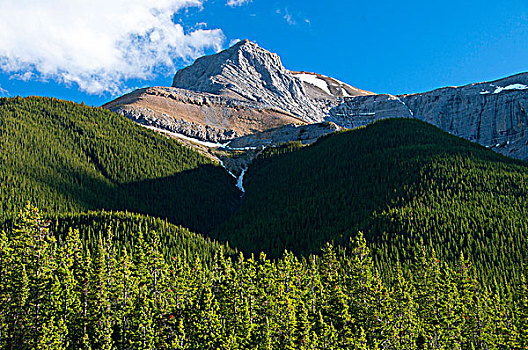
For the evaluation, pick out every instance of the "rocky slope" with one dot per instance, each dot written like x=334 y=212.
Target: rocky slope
x=200 y=115
x=249 y=72
x=240 y=91
x=493 y=114
x=245 y=92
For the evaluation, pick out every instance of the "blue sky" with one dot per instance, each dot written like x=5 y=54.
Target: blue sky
x=90 y=53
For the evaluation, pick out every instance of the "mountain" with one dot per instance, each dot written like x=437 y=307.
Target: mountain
x=249 y=72
x=245 y=90
x=493 y=114
x=200 y=115
x=68 y=158
x=240 y=91
x=440 y=263
x=399 y=181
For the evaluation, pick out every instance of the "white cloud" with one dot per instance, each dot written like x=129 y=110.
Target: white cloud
x=26 y=76
x=234 y=41
x=287 y=16
x=234 y=3
x=98 y=44
x=4 y=92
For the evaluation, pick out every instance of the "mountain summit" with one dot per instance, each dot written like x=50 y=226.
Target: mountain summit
x=240 y=91
x=249 y=72
x=245 y=90
x=217 y=73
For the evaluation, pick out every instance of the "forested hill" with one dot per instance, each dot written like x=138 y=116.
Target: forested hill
x=399 y=181
x=445 y=221
x=64 y=157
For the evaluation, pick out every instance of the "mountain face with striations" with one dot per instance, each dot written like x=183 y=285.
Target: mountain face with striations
x=237 y=92
x=493 y=114
x=246 y=91
x=249 y=72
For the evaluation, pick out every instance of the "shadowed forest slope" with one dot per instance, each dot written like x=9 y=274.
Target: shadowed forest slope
x=64 y=157
x=401 y=182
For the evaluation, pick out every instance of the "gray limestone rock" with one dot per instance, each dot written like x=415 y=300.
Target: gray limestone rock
x=245 y=90
x=493 y=114
x=306 y=134
x=247 y=71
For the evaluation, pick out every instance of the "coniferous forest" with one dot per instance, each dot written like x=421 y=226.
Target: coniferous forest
x=392 y=236
x=66 y=158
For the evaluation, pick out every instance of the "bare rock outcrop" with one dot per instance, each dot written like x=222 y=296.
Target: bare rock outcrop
x=240 y=91
x=249 y=72
x=306 y=134
x=203 y=116
x=493 y=114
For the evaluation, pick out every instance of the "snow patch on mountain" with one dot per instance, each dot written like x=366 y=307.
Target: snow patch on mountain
x=315 y=80
x=500 y=89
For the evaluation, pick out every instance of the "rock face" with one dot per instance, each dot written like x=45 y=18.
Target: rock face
x=245 y=94
x=240 y=91
x=202 y=116
x=248 y=72
x=493 y=114
x=306 y=134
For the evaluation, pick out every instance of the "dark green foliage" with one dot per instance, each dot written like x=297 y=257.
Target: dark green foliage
x=400 y=182
x=65 y=157
x=176 y=241
x=56 y=295
x=444 y=219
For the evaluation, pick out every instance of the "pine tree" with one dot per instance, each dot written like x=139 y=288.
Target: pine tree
x=6 y=288
x=207 y=323
x=85 y=317
x=100 y=296
x=522 y=313
x=126 y=288
x=400 y=326
x=66 y=290
x=362 y=286
x=33 y=262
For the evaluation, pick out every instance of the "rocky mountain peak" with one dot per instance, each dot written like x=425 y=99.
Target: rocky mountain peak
x=216 y=73
x=240 y=91
x=249 y=47
x=248 y=72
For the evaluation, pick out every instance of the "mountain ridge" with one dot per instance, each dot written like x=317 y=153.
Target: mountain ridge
x=237 y=92
x=245 y=90
x=492 y=113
